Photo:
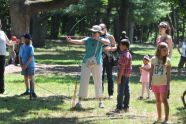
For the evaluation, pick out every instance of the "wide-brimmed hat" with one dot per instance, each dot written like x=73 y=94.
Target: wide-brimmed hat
x=146 y=57
x=96 y=28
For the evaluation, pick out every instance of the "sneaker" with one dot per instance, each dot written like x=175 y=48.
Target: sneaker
x=148 y=98
x=101 y=105
x=117 y=110
x=34 y=95
x=110 y=96
x=78 y=106
x=126 y=110
x=2 y=91
x=157 y=122
x=165 y=122
x=25 y=94
x=140 y=98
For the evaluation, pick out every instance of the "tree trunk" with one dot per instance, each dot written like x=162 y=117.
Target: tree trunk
x=131 y=31
x=116 y=29
x=55 y=25
x=21 y=12
x=20 y=17
x=183 y=28
x=123 y=15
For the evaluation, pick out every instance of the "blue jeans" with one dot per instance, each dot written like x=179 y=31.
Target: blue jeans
x=107 y=66
x=123 y=94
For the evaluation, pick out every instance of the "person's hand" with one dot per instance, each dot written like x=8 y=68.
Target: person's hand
x=23 y=67
x=68 y=39
x=107 y=48
x=141 y=68
x=118 y=81
x=150 y=87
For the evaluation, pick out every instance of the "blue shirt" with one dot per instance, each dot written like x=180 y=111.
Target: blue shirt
x=90 y=48
x=26 y=51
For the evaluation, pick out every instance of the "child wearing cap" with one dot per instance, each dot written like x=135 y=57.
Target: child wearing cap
x=145 y=76
x=27 y=63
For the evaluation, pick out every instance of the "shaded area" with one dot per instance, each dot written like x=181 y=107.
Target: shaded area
x=16 y=107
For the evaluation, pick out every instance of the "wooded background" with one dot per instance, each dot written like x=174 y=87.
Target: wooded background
x=51 y=19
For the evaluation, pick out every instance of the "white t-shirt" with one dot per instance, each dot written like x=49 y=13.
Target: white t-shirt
x=3 y=39
x=183 y=51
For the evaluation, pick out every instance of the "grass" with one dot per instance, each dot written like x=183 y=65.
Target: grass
x=63 y=53
x=56 y=90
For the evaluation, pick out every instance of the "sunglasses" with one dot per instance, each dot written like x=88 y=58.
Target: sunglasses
x=94 y=32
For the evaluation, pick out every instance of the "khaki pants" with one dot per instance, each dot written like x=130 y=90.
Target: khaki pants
x=85 y=77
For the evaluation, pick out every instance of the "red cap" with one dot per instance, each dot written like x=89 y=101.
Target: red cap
x=14 y=38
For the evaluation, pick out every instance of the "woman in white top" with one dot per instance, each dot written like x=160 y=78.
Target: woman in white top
x=3 y=41
x=183 y=55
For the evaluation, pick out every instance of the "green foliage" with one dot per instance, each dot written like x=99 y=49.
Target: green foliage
x=4 y=15
x=148 y=11
x=84 y=7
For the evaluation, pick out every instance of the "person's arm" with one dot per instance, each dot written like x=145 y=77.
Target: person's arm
x=122 y=64
x=8 y=41
x=27 y=63
x=106 y=42
x=151 y=74
x=120 y=74
x=146 y=69
x=113 y=45
x=168 y=76
x=170 y=46
x=20 y=62
x=78 y=42
x=140 y=68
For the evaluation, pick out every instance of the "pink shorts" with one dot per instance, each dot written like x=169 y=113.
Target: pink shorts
x=159 y=89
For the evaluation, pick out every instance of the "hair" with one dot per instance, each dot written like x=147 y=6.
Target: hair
x=158 y=52
x=103 y=25
x=165 y=25
x=125 y=42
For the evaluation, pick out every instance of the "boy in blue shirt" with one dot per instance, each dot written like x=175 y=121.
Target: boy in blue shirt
x=27 y=63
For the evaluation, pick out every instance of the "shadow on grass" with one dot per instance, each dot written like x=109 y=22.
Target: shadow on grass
x=80 y=120
x=181 y=114
x=152 y=101
x=18 y=107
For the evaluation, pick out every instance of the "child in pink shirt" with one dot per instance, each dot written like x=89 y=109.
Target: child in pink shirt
x=145 y=76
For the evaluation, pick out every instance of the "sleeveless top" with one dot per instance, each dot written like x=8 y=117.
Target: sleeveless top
x=159 y=40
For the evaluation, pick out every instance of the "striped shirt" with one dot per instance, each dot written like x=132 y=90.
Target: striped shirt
x=125 y=62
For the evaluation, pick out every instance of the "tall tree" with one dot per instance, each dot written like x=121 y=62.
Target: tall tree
x=21 y=12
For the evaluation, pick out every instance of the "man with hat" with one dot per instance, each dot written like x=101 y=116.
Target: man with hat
x=93 y=54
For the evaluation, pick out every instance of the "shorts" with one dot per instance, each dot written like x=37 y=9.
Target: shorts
x=28 y=72
x=159 y=89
